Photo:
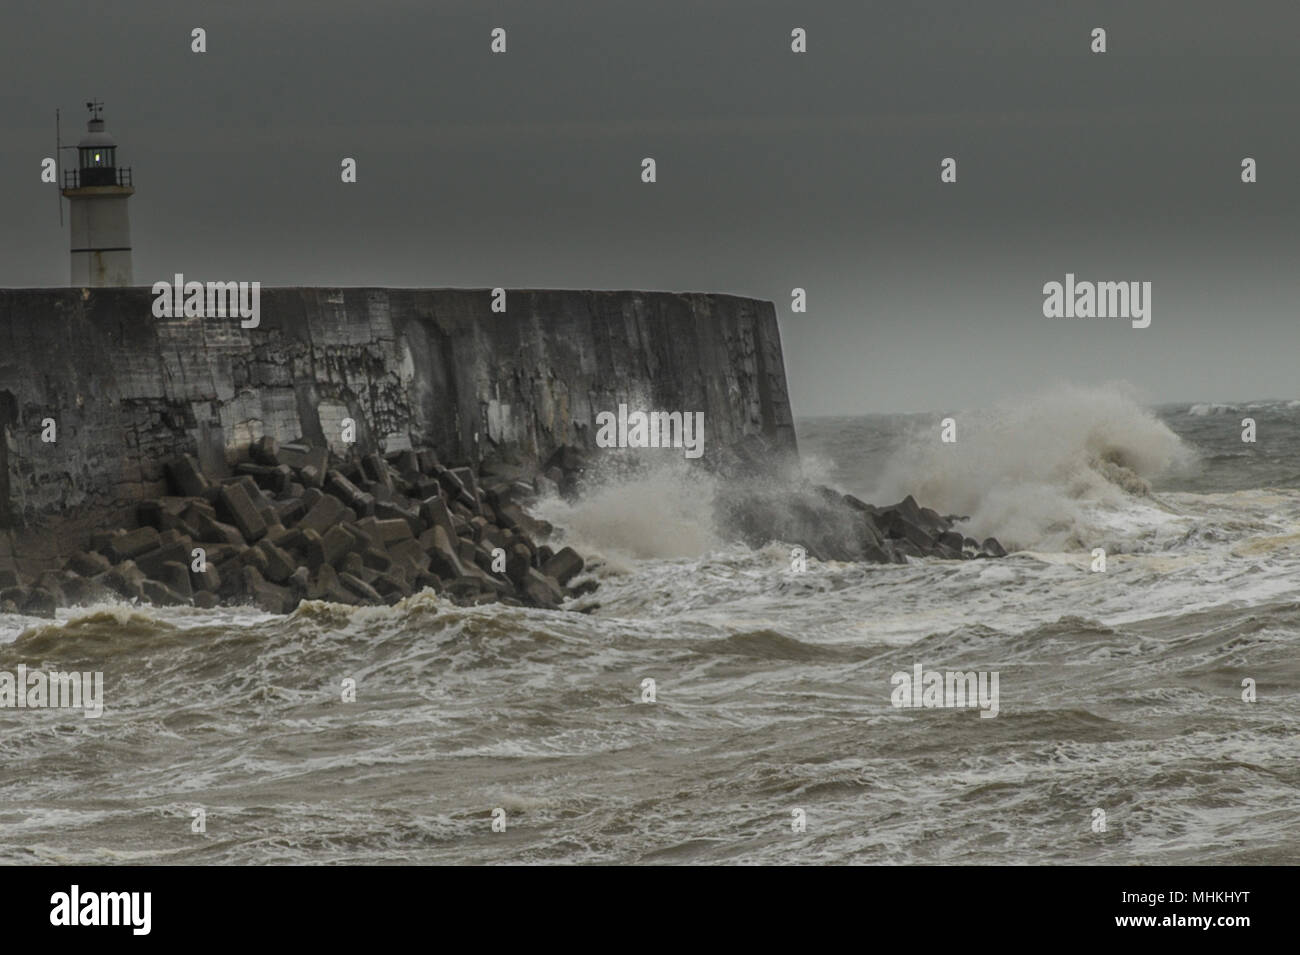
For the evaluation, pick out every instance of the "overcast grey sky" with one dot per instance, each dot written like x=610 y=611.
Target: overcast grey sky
x=775 y=170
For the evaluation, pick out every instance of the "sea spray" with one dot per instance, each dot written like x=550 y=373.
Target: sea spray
x=1032 y=471
x=664 y=510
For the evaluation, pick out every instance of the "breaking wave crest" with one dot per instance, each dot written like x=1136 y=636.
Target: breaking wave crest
x=665 y=511
x=1048 y=472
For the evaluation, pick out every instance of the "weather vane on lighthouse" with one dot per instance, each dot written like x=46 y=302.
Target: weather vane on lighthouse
x=97 y=192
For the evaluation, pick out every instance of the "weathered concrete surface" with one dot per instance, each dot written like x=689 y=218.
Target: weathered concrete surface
x=129 y=392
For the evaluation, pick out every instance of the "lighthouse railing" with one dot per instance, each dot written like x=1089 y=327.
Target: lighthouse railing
x=121 y=176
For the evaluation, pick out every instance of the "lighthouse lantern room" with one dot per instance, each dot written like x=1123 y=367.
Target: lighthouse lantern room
x=97 y=192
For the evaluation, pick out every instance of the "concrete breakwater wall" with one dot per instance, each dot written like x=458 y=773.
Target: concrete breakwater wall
x=126 y=392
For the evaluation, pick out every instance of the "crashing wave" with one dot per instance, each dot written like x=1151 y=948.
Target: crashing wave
x=1048 y=472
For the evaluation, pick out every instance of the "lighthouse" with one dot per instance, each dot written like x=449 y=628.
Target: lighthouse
x=97 y=192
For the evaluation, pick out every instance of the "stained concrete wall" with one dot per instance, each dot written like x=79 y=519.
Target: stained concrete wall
x=128 y=391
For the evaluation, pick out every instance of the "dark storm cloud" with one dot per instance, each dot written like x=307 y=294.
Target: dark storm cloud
x=775 y=170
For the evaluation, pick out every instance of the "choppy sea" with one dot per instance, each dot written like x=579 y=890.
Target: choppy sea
x=772 y=737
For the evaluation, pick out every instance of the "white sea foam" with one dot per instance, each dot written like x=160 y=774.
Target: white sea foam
x=1048 y=471
x=1210 y=408
x=665 y=511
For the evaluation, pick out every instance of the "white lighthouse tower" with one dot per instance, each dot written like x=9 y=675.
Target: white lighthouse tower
x=97 y=191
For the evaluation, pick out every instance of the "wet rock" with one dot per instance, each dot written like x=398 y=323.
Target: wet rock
x=279 y=566
x=545 y=487
x=160 y=595
x=281 y=536
x=266 y=478
x=86 y=564
x=468 y=481
x=542 y=591
x=186 y=477
x=564 y=566
x=337 y=484
x=376 y=531
x=804 y=516
x=300 y=456
x=175 y=550
x=299 y=581
x=354 y=565
x=176 y=576
x=131 y=544
x=488 y=582
x=932 y=521
x=40 y=603
x=254 y=557
x=389 y=584
x=375 y=469
x=391 y=531
x=125 y=580
x=518 y=563
x=213 y=531
x=406 y=462
x=410 y=553
x=583 y=587
x=389 y=511
x=208 y=579
x=221 y=553
x=949 y=539
x=443 y=556
x=322 y=583
x=234 y=506
x=52 y=582
x=434 y=513
x=163 y=515
x=900 y=528
x=991 y=548
x=515 y=518
x=907 y=548
x=328 y=550
x=456 y=491
x=265 y=450
x=428 y=460
x=360 y=588
x=877 y=553
x=265 y=595
x=84 y=591
x=323 y=515
x=376 y=559
x=196 y=510
x=907 y=508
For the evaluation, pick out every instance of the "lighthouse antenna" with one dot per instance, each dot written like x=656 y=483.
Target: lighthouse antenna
x=58 y=164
